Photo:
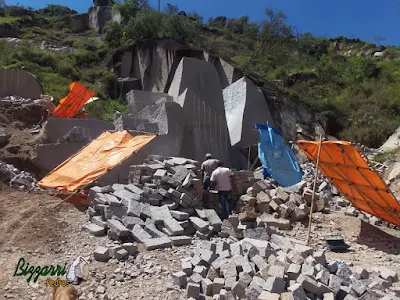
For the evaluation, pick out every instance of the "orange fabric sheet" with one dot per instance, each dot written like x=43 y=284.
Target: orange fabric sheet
x=344 y=166
x=76 y=99
x=91 y=162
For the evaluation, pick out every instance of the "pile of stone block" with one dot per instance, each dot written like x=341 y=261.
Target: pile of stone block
x=17 y=179
x=276 y=267
x=159 y=208
x=265 y=198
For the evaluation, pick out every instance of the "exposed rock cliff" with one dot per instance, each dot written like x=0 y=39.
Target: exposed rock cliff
x=152 y=66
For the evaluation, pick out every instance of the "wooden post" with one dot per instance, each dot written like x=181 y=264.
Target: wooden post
x=315 y=186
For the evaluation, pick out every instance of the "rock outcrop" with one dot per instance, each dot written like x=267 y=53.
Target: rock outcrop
x=99 y=14
x=153 y=65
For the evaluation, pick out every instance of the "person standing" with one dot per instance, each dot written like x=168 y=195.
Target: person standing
x=222 y=181
x=207 y=167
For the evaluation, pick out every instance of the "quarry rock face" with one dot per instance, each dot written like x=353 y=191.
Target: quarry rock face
x=79 y=23
x=162 y=66
x=205 y=129
x=202 y=79
x=245 y=105
x=99 y=16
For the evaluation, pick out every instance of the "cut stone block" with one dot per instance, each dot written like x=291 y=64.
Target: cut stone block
x=253 y=291
x=207 y=286
x=323 y=276
x=244 y=105
x=134 y=189
x=199 y=224
x=179 y=279
x=179 y=215
x=129 y=222
x=151 y=228
x=121 y=254
x=94 y=229
x=358 y=287
x=180 y=240
x=303 y=250
x=102 y=254
x=125 y=196
x=130 y=247
x=139 y=234
x=114 y=211
x=276 y=271
x=213 y=217
x=157 y=243
x=275 y=285
x=117 y=227
x=202 y=270
x=309 y=284
x=173 y=226
x=218 y=284
x=269 y=296
x=229 y=269
x=159 y=214
x=335 y=283
x=187 y=268
x=193 y=290
x=282 y=242
x=145 y=212
x=229 y=283
x=319 y=256
x=297 y=291
x=294 y=271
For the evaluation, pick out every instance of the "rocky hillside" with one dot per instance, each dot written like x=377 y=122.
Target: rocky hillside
x=351 y=83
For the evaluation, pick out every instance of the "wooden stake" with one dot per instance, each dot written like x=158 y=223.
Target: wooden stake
x=315 y=186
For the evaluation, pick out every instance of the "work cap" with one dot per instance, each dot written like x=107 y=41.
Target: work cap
x=208 y=155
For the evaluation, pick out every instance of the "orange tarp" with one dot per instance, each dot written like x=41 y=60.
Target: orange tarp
x=76 y=99
x=91 y=162
x=344 y=166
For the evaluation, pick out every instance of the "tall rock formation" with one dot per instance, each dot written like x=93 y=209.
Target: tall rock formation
x=99 y=14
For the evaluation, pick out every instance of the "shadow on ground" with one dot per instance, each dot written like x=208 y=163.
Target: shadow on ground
x=378 y=239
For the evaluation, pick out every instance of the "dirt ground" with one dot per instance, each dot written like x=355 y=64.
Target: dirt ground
x=54 y=236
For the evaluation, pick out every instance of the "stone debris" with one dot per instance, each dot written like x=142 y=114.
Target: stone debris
x=154 y=210
x=17 y=179
x=268 y=269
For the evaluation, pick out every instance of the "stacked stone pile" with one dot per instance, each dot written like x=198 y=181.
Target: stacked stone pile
x=21 y=180
x=265 y=198
x=268 y=267
x=159 y=209
x=278 y=206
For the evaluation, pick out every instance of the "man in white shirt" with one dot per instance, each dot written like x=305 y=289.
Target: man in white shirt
x=222 y=181
x=207 y=167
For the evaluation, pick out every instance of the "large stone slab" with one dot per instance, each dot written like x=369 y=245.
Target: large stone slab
x=245 y=105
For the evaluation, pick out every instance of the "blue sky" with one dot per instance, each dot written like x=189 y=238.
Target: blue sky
x=364 y=19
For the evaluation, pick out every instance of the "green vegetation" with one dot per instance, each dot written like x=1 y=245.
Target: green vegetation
x=359 y=93
x=382 y=157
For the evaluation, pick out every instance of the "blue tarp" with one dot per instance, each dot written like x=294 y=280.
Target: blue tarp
x=278 y=160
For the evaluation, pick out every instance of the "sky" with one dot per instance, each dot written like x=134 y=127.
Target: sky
x=364 y=19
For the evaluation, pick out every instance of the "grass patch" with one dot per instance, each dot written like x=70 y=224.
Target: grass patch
x=382 y=157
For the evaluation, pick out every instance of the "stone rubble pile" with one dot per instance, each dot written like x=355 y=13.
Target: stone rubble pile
x=16 y=108
x=268 y=267
x=21 y=180
x=278 y=206
x=159 y=208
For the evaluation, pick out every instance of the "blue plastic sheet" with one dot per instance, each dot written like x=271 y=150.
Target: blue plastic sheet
x=278 y=160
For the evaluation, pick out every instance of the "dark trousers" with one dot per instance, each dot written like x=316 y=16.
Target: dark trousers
x=225 y=199
x=206 y=184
